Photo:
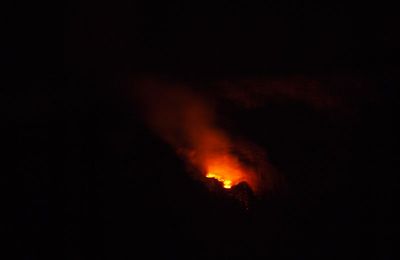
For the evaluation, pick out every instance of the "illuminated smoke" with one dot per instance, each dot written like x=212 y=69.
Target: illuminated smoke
x=186 y=120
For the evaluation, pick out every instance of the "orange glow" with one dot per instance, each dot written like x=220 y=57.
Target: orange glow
x=227 y=170
x=187 y=121
x=226 y=183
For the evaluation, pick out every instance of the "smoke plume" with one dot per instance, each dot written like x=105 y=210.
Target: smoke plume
x=186 y=120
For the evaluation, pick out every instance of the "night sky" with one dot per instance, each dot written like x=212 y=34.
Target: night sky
x=95 y=182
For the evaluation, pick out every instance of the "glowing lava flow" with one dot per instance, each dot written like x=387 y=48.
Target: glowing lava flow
x=226 y=169
x=227 y=183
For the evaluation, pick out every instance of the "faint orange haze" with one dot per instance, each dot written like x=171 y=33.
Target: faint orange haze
x=186 y=120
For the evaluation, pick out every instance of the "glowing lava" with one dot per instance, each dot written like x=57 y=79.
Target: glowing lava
x=226 y=169
x=227 y=183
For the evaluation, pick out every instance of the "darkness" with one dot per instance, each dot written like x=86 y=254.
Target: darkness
x=96 y=183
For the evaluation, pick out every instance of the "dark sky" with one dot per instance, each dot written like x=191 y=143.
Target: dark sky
x=98 y=184
x=230 y=38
